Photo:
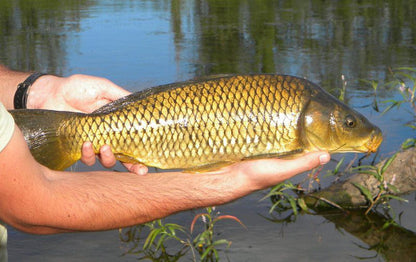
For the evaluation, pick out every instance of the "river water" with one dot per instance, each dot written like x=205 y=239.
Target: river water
x=139 y=44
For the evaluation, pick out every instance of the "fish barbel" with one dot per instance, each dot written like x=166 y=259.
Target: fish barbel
x=200 y=124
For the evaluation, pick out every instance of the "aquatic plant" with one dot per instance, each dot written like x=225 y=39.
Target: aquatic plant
x=203 y=244
x=384 y=187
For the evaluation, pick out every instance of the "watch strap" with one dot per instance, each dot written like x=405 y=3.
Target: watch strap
x=20 y=97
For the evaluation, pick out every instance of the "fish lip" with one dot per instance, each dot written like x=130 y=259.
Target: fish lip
x=374 y=142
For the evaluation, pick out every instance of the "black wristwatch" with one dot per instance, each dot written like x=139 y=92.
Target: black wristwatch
x=20 y=97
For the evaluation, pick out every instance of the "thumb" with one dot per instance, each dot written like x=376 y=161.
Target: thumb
x=303 y=163
x=269 y=172
x=113 y=92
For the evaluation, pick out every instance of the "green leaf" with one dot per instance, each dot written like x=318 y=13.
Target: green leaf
x=278 y=190
x=160 y=242
x=408 y=76
x=392 y=188
x=389 y=196
x=292 y=203
x=365 y=192
x=151 y=238
x=221 y=242
x=272 y=208
x=338 y=166
x=373 y=83
x=387 y=224
x=302 y=204
x=387 y=163
x=206 y=252
x=391 y=106
x=410 y=142
x=375 y=105
x=407 y=68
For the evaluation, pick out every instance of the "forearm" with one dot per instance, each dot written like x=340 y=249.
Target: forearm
x=38 y=200
x=104 y=200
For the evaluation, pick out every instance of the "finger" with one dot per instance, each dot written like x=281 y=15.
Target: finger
x=113 y=92
x=107 y=157
x=87 y=154
x=97 y=104
x=138 y=169
x=267 y=172
x=293 y=166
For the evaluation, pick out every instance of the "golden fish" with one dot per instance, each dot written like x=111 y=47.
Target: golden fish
x=200 y=124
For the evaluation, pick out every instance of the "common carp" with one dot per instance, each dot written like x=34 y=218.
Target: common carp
x=201 y=124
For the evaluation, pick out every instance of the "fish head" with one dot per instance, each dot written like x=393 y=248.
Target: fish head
x=330 y=125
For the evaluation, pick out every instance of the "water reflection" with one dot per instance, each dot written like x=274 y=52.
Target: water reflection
x=380 y=233
x=382 y=236
x=317 y=39
x=33 y=34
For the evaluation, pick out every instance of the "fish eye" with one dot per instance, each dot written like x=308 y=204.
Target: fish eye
x=350 y=121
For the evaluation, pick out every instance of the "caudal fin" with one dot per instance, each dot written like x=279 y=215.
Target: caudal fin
x=40 y=129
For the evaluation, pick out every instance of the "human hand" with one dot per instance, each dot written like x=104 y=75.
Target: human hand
x=80 y=93
x=264 y=173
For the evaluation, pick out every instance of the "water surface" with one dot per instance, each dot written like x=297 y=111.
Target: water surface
x=139 y=44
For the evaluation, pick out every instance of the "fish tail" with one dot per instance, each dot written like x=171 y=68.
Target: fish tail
x=41 y=131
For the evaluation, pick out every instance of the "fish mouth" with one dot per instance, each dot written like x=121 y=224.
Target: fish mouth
x=374 y=141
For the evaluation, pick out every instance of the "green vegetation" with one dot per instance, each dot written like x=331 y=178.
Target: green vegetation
x=405 y=83
x=203 y=245
x=384 y=187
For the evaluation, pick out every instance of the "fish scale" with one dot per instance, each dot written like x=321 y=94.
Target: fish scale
x=196 y=125
x=200 y=124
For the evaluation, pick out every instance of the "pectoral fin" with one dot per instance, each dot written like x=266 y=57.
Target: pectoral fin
x=126 y=159
x=209 y=167
x=285 y=155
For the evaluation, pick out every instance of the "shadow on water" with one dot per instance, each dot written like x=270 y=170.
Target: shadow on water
x=381 y=234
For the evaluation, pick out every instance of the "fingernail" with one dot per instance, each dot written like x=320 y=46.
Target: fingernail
x=323 y=159
x=105 y=150
x=86 y=144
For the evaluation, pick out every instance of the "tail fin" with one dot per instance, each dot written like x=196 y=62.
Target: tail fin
x=40 y=129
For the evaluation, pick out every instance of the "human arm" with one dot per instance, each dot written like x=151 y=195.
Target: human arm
x=38 y=200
